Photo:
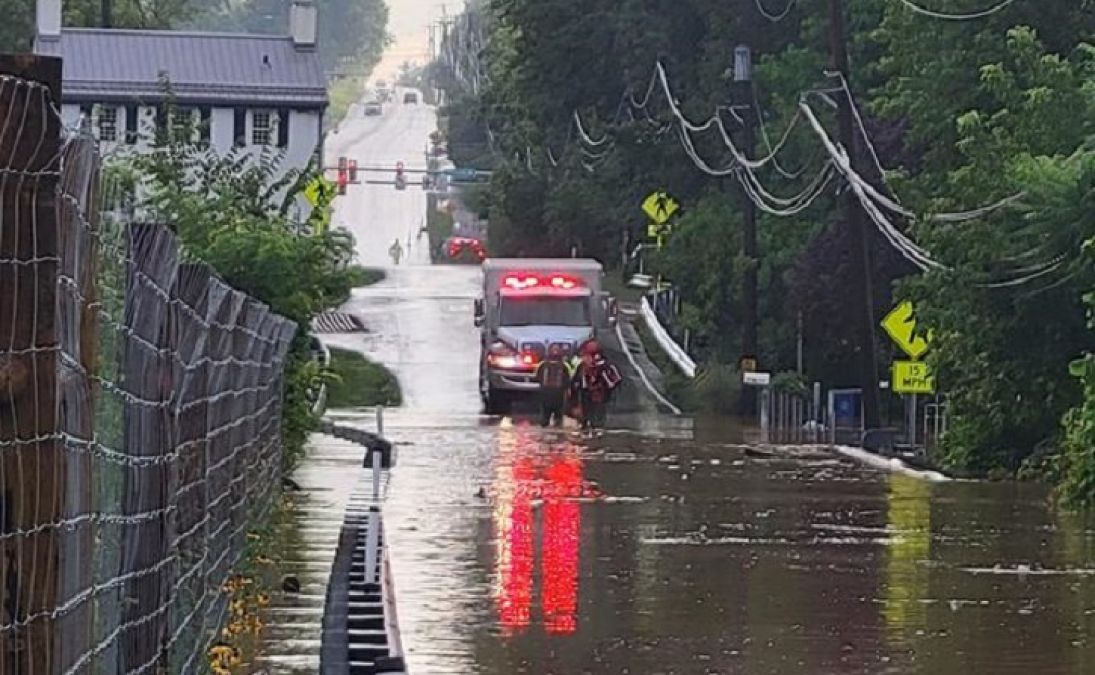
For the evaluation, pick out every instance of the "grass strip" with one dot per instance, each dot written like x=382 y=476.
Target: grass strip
x=361 y=382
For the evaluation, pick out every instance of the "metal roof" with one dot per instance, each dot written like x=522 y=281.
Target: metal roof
x=208 y=68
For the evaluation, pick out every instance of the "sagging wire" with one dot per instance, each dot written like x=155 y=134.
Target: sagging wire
x=790 y=175
x=774 y=18
x=945 y=16
x=908 y=248
x=585 y=136
x=868 y=197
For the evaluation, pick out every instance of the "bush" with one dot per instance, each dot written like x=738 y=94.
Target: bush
x=231 y=211
x=718 y=389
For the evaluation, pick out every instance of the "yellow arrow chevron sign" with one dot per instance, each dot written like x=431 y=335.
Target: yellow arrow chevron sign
x=900 y=324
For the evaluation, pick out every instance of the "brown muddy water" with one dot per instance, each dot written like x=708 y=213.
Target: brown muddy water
x=670 y=547
x=650 y=552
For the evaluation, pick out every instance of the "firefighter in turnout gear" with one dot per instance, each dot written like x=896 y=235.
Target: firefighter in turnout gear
x=554 y=380
x=594 y=383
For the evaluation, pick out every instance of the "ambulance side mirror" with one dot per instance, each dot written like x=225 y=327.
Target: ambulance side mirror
x=612 y=310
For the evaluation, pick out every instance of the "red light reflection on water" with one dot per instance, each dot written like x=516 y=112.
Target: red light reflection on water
x=516 y=597
x=529 y=476
x=560 y=536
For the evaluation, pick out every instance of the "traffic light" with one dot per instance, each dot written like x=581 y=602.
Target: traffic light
x=353 y=170
x=400 y=179
x=342 y=174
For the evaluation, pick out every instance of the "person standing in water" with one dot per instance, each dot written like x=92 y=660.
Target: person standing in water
x=554 y=381
x=594 y=383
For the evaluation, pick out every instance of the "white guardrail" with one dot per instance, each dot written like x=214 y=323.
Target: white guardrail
x=320 y=406
x=673 y=350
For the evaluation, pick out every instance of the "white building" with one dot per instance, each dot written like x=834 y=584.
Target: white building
x=253 y=92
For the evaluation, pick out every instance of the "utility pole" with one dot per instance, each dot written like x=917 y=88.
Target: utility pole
x=853 y=214
x=743 y=91
x=107 y=15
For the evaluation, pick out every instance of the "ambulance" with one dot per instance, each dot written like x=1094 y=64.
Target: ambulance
x=529 y=305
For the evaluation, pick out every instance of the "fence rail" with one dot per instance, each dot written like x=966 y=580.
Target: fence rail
x=140 y=400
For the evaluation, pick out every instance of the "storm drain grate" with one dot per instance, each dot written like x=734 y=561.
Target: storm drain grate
x=338 y=322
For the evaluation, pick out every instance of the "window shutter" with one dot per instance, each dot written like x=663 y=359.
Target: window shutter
x=283 y=128
x=204 y=128
x=161 y=123
x=131 y=112
x=239 y=127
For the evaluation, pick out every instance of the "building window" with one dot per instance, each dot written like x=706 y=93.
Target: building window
x=262 y=127
x=108 y=123
x=182 y=124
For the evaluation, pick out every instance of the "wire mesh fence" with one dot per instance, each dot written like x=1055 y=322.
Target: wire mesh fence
x=140 y=401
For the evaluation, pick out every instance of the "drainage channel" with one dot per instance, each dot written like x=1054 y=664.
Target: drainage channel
x=360 y=630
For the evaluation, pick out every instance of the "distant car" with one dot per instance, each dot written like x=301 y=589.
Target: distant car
x=373 y=108
x=410 y=98
x=465 y=250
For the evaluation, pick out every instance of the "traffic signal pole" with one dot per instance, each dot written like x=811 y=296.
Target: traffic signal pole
x=855 y=218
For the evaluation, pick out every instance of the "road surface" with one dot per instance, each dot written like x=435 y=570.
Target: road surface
x=374 y=211
x=670 y=546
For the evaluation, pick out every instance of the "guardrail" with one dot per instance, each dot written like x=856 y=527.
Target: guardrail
x=673 y=350
x=320 y=405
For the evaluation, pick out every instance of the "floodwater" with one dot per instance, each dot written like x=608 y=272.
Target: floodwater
x=669 y=546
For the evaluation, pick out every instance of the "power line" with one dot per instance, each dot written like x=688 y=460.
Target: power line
x=955 y=17
x=585 y=136
x=775 y=18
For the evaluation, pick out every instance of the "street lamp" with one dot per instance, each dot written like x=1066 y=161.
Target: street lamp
x=743 y=64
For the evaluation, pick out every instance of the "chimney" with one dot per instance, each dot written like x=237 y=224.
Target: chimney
x=49 y=19
x=302 y=24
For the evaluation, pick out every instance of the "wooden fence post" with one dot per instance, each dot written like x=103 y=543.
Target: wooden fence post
x=32 y=463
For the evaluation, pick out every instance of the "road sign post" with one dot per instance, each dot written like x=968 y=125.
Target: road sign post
x=913 y=377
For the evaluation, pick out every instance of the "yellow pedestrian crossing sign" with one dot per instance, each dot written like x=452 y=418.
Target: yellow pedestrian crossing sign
x=900 y=324
x=320 y=192
x=912 y=377
x=660 y=207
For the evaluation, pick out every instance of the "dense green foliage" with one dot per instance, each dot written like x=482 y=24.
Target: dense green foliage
x=232 y=212
x=359 y=382
x=960 y=113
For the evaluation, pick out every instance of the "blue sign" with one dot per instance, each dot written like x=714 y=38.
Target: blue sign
x=847 y=408
x=463 y=175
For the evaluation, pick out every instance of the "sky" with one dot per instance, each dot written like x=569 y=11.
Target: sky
x=408 y=22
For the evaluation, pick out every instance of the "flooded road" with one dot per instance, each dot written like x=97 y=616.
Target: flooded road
x=669 y=546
